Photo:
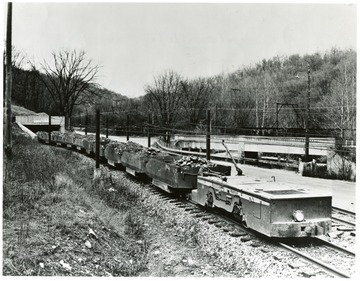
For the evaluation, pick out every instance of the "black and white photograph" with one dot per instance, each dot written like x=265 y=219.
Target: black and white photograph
x=179 y=139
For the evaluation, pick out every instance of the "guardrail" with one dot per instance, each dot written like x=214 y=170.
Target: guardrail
x=283 y=164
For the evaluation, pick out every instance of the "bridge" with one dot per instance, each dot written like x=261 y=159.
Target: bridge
x=40 y=122
x=258 y=144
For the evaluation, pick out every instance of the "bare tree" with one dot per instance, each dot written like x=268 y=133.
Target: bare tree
x=197 y=96
x=164 y=98
x=69 y=81
x=17 y=59
x=340 y=103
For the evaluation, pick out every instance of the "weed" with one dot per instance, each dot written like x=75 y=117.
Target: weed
x=133 y=226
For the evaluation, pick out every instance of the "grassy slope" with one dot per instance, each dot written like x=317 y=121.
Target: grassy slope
x=50 y=203
x=19 y=111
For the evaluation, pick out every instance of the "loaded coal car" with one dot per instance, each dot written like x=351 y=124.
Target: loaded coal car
x=88 y=143
x=135 y=158
x=270 y=208
x=179 y=175
x=57 y=138
x=78 y=142
x=172 y=178
x=114 y=151
x=42 y=137
x=70 y=139
x=103 y=142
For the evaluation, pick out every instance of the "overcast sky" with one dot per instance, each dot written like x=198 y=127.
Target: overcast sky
x=135 y=42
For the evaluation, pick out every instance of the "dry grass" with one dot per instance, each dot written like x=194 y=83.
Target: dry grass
x=19 y=111
x=50 y=202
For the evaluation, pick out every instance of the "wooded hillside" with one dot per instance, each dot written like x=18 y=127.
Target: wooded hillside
x=268 y=98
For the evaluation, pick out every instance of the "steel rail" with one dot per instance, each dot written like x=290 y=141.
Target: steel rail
x=345 y=212
x=343 y=221
x=236 y=224
x=328 y=268
x=334 y=246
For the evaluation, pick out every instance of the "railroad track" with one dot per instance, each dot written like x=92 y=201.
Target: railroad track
x=343 y=255
x=343 y=211
x=326 y=266
x=228 y=225
x=234 y=228
x=344 y=217
x=344 y=222
x=320 y=243
x=334 y=246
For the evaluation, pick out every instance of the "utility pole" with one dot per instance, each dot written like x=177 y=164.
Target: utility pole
x=307 y=117
x=8 y=139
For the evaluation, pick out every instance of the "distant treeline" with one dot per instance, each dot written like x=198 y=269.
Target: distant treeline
x=270 y=97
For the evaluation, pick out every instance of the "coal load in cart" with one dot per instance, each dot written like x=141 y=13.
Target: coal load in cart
x=89 y=144
x=113 y=152
x=70 y=138
x=42 y=137
x=58 y=138
x=102 y=145
x=270 y=208
x=78 y=142
x=135 y=157
x=179 y=175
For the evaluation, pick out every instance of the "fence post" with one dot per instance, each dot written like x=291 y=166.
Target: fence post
x=148 y=130
x=127 y=127
x=97 y=144
x=86 y=123
x=49 y=128
x=107 y=126
x=208 y=134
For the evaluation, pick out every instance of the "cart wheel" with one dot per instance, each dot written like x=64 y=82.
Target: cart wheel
x=210 y=200
x=237 y=212
x=244 y=224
